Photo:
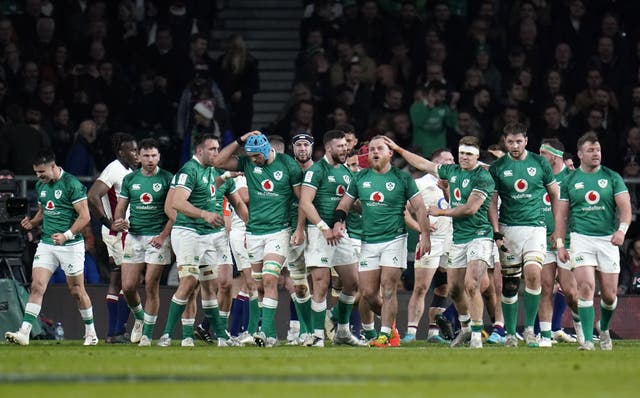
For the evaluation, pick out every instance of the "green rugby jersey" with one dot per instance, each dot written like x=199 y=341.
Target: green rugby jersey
x=270 y=192
x=461 y=184
x=383 y=198
x=146 y=196
x=56 y=199
x=548 y=214
x=592 y=205
x=200 y=181
x=521 y=184
x=330 y=184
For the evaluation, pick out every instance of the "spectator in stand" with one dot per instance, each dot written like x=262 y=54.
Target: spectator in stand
x=393 y=103
x=564 y=63
x=150 y=109
x=408 y=27
x=367 y=63
x=197 y=63
x=402 y=65
x=162 y=56
x=400 y=127
x=551 y=127
x=553 y=84
x=22 y=141
x=574 y=28
x=239 y=81
x=80 y=160
x=370 y=29
x=112 y=90
x=587 y=97
x=346 y=56
x=609 y=61
x=629 y=282
x=61 y=133
x=339 y=116
x=491 y=75
x=631 y=162
x=104 y=131
x=357 y=95
x=300 y=119
x=482 y=110
x=431 y=116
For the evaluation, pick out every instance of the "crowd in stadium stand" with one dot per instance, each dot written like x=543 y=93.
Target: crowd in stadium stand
x=424 y=73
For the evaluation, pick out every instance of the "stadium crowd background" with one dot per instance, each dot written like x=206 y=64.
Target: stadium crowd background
x=423 y=72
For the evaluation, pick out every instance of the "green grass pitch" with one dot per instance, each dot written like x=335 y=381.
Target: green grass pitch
x=47 y=369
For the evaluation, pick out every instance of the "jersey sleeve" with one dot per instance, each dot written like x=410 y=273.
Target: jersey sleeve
x=352 y=188
x=107 y=176
x=230 y=186
x=618 y=184
x=242 y=162
x=295 y=172
x=444 y=171
x=564 y=189
x=411 y=188
x=124 y=190
x=493 y=171
x=484 y=184
x=313 y=177
x=547 y=173
x=186 y=178
x=77 y=191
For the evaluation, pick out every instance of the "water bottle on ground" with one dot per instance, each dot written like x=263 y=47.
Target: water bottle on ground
x=59 y=331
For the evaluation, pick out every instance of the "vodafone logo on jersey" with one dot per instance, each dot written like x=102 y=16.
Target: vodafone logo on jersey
x=212 y=189
x=546 y=199
x=521 y=185
x=592 y=197
x=377 y=197
x=267 y=185
x=340 y=190
x=146 y=198
x=457 y=194
x=50 y=205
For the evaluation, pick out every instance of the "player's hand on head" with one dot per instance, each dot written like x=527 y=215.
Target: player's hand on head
x=392 y=145
x=249 y=134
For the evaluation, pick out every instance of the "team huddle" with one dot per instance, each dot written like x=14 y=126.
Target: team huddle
x=334 y=230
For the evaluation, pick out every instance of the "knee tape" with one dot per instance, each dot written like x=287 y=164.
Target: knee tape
x=272 y=268
x=257 y=276
x=188 y=270
x=512 y=271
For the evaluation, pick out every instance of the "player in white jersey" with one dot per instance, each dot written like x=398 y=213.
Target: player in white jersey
x=590 y=198
x=426 y=265
x=103 y=197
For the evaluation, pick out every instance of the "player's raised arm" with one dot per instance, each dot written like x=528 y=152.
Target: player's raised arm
x=416 y=161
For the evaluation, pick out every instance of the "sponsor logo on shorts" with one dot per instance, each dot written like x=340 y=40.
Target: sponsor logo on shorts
x=592 y=197
x=395 y=260
x=324 y=260
x=579 y=259
x=363 y=264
